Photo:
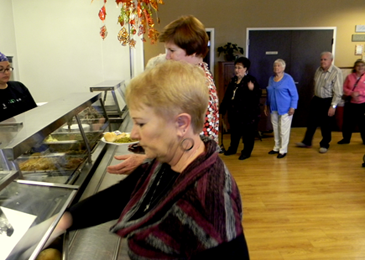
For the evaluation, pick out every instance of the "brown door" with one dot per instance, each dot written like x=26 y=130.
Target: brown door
x=301 y=51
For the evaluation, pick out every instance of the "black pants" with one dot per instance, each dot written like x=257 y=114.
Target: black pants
x=248 y=134
x=318 y=116
x=353 y=115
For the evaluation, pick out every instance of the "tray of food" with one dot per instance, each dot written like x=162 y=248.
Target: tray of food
x=118 y=138
x=49 y=162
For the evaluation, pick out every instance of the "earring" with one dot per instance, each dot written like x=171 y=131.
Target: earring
x=187 y=144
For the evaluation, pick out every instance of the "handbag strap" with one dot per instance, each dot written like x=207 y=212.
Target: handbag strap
x=357 y=81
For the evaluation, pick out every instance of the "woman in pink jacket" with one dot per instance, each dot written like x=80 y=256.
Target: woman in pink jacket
x=354 y=111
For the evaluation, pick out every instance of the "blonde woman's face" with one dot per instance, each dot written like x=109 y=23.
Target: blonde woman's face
x=278 y=68
x=155 y=134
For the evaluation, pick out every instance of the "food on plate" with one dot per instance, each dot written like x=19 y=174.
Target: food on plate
x=110 y=136
x=119 y=137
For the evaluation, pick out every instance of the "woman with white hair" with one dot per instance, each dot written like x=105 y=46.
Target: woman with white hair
x=282 y=100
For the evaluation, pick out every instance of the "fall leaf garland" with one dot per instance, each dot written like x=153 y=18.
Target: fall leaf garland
x=138 y=16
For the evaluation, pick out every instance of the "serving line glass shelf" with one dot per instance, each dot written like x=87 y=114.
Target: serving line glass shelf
x=117 y=106
x=29 y=212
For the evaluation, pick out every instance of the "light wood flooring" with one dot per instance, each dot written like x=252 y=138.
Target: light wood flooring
x=306 y=205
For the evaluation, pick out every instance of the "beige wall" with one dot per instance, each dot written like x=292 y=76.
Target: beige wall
x=231 y=18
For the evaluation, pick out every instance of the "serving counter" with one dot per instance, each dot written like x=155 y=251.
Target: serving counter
x=47 y=157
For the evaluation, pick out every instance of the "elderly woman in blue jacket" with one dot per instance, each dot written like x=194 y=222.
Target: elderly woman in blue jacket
x=282 y=100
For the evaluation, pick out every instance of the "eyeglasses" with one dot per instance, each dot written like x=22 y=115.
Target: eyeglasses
x=6 y=70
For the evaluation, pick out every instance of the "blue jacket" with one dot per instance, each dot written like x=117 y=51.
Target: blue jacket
x=282 y=95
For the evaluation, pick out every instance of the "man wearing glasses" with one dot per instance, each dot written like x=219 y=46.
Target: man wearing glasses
x=15 y=98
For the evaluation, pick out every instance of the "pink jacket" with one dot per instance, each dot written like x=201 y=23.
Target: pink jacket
x=349 y=84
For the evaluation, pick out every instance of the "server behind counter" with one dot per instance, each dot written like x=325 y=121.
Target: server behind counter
x=15 y=98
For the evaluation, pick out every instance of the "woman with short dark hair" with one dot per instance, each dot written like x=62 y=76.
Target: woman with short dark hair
x=242 y=102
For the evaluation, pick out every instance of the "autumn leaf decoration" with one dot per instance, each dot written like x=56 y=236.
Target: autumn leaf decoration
x=136 y=20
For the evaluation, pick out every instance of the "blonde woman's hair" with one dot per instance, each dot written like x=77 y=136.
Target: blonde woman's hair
x=281 y=61
x=171 y=88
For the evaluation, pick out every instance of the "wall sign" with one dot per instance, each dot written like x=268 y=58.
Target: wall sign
x=358 y=37
x=359 y=49
x=360 y=28
x=271 y=52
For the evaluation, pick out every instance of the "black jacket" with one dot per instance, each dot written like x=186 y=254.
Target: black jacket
x=243 y=106
x=14 y=100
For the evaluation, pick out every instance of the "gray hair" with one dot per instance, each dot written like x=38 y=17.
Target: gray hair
x=327 y=53
x=281 y=61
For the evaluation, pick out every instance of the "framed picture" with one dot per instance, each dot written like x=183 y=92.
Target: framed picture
x=359 y=49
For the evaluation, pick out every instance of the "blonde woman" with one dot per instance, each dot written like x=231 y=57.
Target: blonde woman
x=183 y=203
x=282 y=100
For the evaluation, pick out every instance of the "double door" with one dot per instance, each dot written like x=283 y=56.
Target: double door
x=300 y=49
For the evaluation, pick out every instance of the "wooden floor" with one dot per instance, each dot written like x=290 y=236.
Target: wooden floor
x=306 y=205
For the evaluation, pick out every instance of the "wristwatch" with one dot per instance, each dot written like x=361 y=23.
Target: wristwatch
x=334 y=106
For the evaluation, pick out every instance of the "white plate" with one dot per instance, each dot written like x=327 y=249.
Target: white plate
x=102 y=139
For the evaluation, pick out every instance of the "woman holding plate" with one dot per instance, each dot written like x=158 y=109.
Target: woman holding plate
x=183 y=203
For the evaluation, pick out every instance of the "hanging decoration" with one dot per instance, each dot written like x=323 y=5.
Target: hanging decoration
x=136 y=20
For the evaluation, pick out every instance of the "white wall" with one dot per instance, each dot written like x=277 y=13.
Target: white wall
x=58 y=46
x=7 y=39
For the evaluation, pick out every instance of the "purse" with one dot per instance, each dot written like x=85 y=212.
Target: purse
x=347 y=99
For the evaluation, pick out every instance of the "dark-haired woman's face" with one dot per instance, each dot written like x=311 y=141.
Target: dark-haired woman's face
x=4 y=74
x=240 y=70
x=360 y=68
x=174 y=52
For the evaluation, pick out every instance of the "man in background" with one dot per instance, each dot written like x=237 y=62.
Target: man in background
x=328 y=91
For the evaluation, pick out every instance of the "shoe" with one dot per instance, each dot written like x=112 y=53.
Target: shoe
x=229 y=152
x=303 y=145
x=273 y=152
x=243 y=157
x=343 y=141
x=281 y=155
x=323 y=150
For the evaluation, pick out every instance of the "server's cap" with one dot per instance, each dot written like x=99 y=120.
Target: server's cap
x=3 y=57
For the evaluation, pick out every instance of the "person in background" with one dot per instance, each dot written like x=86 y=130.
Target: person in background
x=183 y=203
x=185 y=40
x=15 y=98
x=354 y=111
x=156 y=60
x=282 y=100
x=242 y=102
x=328 y=91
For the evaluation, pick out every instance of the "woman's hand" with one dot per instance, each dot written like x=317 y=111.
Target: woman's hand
x=265 y=110
x=355 y=95
x=291 y=111
x=130 y=163
x=250 y=85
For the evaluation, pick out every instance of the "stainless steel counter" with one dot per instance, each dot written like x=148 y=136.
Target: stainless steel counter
x=97 y=242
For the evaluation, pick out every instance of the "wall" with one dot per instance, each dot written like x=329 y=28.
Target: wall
x=7 y=39
x=58 y=48
x=231 y=19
